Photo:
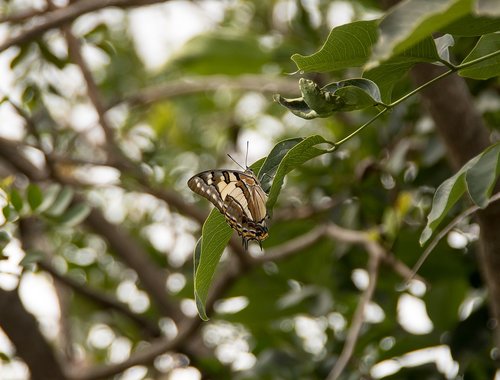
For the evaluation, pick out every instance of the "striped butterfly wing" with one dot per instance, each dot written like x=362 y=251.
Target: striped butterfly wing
x=239 y=197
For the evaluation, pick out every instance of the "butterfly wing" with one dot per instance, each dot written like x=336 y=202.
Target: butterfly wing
x=238 y=196
x=208 y=185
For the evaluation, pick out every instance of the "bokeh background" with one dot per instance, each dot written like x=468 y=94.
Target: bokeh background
x=106 y=115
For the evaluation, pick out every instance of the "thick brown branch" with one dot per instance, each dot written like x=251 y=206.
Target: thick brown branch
x=22 y=329
x=152 y=278
x=464 y=134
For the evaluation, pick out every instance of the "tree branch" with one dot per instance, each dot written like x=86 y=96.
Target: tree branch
x=152 y=278
x=189 y=86
x=22 y=329
x=464 y=134
x=102 y=299
x=62 y=16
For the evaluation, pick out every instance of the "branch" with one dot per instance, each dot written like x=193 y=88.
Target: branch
x=181 y=87
x=375 y=254
x=22 y=329
x=67 y=14
x=146 y=355
x=75 y=54
x=152 y=278
x=102 y=299
x=22 y=16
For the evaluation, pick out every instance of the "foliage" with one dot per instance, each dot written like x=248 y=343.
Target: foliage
x=353 y=170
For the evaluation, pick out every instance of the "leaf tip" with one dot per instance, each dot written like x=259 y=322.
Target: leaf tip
x=426 y=234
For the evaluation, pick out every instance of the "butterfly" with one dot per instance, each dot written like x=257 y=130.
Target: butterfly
x=238 y=195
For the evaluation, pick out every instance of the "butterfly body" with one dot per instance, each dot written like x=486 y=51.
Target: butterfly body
x=238 y=195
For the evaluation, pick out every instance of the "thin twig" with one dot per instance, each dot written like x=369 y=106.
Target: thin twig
x=293 y=246
x=74 y=49
x=375 y=254
x=194 y=85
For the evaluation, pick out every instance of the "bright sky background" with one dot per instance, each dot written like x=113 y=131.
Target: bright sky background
x=159 y=31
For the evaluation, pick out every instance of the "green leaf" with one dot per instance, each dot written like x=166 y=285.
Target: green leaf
x=355 y=94
x=221 y=53
x=215 y=236
x=488 y=68
x=484 y=172
x=271 y=163
x=49 y=196
x=49 y=56
x=346 y=95
x=411 y=21
x=488 y=8
x=482 y=177
x=390 y=72
x=347 y=46
x=74 y=215
x=61 y=202
x=473 y=26
x=4 y=239
x=296 y=156
x=16 y=200
x=9 y=212
x=447 y=194
x=34 y=195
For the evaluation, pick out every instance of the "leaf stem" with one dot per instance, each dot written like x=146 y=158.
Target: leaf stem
x=387 y=107
x=420 y=88
x=335 y=146
x=477 y=60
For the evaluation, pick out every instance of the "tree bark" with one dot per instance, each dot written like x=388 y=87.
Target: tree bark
x=464 y=134
x=22 y=329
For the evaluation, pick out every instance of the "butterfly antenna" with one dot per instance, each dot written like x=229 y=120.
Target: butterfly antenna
x=246 y=156
x=236 y=162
